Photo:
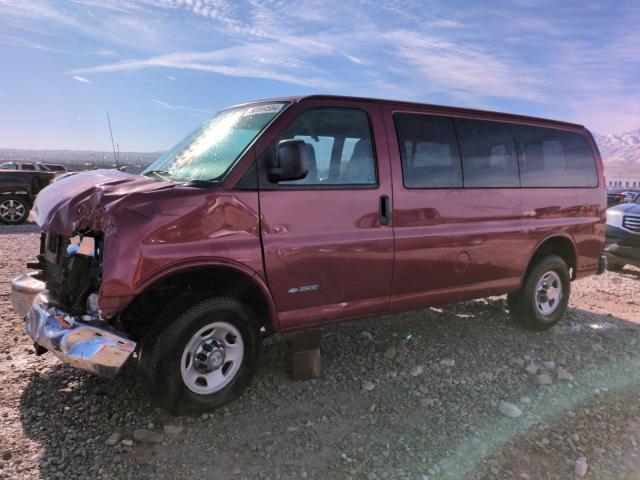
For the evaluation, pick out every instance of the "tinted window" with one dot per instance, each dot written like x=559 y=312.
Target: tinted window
x=28 y=166
x=554 y=158
x=339 y=142
x=429 y=151
x=488 y=156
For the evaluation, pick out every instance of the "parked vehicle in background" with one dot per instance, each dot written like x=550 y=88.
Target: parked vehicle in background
x=37 y=167
x=282 y=215
x=623 y=235
x=18 y=189
x=55 y=167
x=616 y=196
x=629 y=196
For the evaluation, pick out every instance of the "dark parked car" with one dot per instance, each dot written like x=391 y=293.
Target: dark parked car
x=18 y=189
x=37 y=166
x=283 y=215
x=623 y=235
x=616 y=196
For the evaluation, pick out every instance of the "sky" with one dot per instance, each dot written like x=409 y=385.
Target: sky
x=160 y=67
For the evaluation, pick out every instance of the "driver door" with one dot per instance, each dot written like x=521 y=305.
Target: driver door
x=328 y=238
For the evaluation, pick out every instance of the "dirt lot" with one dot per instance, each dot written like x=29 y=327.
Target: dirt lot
x=412 y=396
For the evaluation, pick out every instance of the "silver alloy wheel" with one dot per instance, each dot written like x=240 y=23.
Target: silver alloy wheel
x=11 y=210
x=212 y=358
x=548 y=293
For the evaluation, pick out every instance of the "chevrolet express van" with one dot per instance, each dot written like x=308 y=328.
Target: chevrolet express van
x=286 y=214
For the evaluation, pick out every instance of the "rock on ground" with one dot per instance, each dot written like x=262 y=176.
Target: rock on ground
x=563 y=374
x=113 y=439
x=581 y=467
x=368 y=385
x=509 y=409
x=543 y=379
x=147 y=436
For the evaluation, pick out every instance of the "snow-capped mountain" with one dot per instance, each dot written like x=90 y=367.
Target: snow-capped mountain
x=620 y=148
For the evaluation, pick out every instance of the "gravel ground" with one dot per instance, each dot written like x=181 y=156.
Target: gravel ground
x=451 y=392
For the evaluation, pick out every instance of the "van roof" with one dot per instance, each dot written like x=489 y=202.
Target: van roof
x=442 y=108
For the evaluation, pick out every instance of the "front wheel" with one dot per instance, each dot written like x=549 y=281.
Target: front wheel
x=542 y=300
x=14 y=209
x=200 y=357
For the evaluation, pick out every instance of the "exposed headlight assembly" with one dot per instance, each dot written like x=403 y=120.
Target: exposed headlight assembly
x=85 y=246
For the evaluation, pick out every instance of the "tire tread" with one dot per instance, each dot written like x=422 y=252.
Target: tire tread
x=520 y=303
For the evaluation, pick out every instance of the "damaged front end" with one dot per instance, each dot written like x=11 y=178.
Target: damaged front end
x=71 y=270
x=59 y=302
x=59 y=297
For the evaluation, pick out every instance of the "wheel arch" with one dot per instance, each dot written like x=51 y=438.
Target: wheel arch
x=556 y=244
x=214 y=278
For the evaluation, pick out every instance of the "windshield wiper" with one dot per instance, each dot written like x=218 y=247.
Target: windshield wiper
x=213 y=183
x=163 y=174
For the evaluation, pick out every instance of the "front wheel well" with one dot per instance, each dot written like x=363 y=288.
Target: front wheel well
x=560 y=246
x=197 y=283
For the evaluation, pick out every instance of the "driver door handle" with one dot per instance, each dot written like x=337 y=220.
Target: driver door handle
x=385 y=212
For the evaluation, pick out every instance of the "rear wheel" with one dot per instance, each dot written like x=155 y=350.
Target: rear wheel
x=14 y=209
x=202 y=356
x=542 y=300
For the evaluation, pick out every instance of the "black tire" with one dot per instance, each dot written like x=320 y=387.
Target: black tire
x=523 y=304
x=614 y=266
x=162 y=353
x=14 y=209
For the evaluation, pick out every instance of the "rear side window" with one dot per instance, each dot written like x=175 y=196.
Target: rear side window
x=429 y=151
x=340 y=145
x=55 y=168
x=28 y=166
x=554 y=158
x=488 y=154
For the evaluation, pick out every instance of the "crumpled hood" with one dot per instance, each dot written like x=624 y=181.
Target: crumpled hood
x=82 y=200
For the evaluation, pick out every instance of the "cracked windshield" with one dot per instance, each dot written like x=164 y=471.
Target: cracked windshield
x=209 y=151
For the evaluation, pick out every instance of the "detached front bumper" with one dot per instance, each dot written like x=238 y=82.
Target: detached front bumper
x=88 y=344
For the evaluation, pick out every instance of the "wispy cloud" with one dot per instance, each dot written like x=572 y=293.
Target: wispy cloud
x=267 y=61
x=168 y=106
x=81 y=79
x=462 y=68
x=525 y=56
x=303 y=44
x=21 y=42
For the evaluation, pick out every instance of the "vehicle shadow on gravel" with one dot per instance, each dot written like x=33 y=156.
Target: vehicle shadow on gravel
x=16 y=229
x=627 y=272
x=430 y=407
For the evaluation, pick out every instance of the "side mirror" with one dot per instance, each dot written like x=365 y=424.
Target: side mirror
x=292 y=161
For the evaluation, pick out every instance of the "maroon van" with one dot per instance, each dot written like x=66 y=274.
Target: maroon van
x=286 y=214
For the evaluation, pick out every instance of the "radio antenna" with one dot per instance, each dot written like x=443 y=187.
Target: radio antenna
x=115 y=157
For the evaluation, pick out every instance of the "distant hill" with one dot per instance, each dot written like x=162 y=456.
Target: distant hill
x=621 y=151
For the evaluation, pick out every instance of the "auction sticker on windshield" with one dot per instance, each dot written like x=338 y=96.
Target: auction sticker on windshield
x=266 y=108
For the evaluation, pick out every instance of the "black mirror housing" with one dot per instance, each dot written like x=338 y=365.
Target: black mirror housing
x=292 y=161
